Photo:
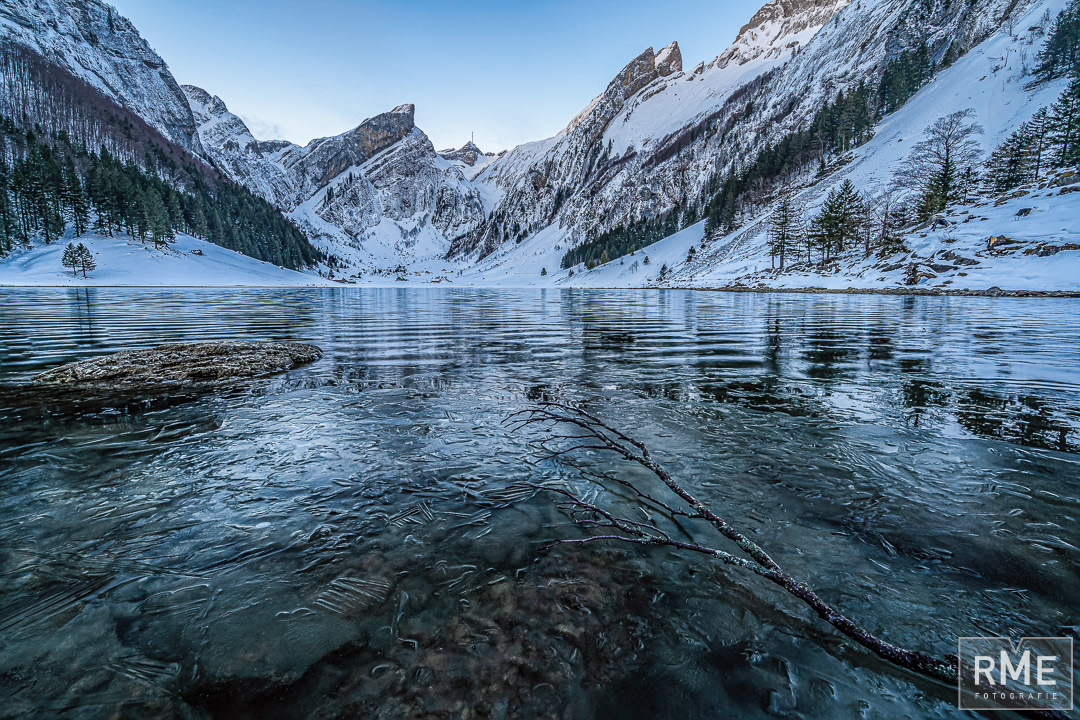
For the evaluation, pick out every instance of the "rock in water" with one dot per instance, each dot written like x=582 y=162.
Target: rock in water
x=185 y=363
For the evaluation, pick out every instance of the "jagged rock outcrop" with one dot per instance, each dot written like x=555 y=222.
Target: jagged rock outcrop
x=467 y=153
x=323 y=159
x=669 y=60
x=93 y=42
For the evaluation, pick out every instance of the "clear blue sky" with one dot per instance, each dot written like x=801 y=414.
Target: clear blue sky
x=510 y=71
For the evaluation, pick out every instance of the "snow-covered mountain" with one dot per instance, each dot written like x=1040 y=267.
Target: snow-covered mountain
x=96 y=44
x=600 y=171
x=366 y=195
x=1037 y=219
x=651 y=142
x=643 y=146
x=385 y=204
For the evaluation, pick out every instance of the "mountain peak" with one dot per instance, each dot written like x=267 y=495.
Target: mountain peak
x=93 y=42
x=468 y=153
x=779 y=26
x=669 y=60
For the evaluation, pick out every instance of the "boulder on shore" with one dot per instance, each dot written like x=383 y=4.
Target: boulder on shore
x=185 y=363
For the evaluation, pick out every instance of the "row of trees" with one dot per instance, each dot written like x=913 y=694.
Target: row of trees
x=55 y=180
x=1061 y=54
x=69 y=155
x=1051 y=139
x=621 y=240
x=941 y=169
x=840 y=125
x=848 y=219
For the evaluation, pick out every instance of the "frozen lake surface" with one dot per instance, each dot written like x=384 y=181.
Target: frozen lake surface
x=340 y=540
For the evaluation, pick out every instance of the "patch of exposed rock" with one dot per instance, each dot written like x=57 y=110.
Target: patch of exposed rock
x=469 y=154
x=185 y=364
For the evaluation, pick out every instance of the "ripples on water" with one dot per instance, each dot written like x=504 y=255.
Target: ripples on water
x=341 y=540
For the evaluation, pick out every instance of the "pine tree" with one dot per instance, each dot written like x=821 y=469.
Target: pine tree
x=543 y=271
x=842 y=217
x=71 y=258
x=1006 y=167
x=198 y=225
x=1061 y=54
x=78 y=205
x=7 y=213
x=85 y=259
x=1037 y=130
x=156 y=217
x=1064 y=125
x=782 y=229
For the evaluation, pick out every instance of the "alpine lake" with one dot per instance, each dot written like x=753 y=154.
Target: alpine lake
x=352 y=539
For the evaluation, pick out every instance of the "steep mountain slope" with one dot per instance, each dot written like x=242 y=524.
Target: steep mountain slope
x=953 y=254
x=95 y=44
x=92 y=137
x=375 y=197
x=632 y=153
x=657 y=151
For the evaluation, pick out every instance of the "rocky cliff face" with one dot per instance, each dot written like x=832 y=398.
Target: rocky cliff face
x=283 y=173
x=228 y=142
x=341 y=188
x=779 y=26
x=407 y=181
x=90 y=40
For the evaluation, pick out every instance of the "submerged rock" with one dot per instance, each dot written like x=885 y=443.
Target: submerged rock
x=185 y=363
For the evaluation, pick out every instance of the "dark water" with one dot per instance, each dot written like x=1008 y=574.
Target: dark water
x=340 y=541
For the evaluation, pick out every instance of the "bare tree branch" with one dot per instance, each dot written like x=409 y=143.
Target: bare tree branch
x=594 y=434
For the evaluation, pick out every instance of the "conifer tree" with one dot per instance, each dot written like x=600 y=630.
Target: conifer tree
x=841 y=219
x=156 y=218
x=1064 y=125
x=71 y=258
x=85 y=259
x=782 y=229
x=1037 y=132
x=7 y=214
x=1061 y=54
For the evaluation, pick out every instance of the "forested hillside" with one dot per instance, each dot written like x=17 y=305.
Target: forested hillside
x=71 y=156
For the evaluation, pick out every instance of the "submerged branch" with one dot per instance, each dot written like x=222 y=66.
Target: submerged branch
x=593 y=433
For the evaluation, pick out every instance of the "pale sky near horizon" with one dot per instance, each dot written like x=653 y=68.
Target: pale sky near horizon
x=511 y=72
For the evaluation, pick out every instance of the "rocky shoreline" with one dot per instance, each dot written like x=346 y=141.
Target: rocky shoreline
x=989 y=292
